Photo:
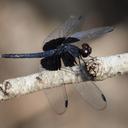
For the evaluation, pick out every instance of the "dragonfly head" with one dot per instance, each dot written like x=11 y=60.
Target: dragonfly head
x=86 y=50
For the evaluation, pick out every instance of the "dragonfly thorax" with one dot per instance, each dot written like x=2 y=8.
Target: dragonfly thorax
x=63 y=48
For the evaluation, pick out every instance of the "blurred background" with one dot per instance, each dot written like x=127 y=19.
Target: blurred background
x=24 y=24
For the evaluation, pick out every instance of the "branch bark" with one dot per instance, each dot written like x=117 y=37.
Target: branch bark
x=96 y=69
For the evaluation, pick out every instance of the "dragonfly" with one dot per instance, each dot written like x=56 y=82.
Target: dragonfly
x=58 y=47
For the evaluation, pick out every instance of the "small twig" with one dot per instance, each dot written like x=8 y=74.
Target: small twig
x=96 y=69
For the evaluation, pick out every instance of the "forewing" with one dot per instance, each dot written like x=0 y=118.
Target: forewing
x=65 y=29
x=92 y=33
x=92 y=95
x=57 y=98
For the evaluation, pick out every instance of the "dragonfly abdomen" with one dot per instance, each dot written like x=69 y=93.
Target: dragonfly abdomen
x=29 y=55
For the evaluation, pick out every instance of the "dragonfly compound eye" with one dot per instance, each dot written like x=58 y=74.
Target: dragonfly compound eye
x=86 y=50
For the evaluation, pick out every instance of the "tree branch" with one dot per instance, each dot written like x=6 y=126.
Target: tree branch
x=96 y=69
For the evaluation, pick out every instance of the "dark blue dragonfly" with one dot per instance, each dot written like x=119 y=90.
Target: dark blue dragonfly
x=58 y=46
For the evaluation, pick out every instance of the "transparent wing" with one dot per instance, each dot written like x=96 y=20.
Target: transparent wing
x=92 y=95
x=57 y=98
x=65 y=29
x=92 y=33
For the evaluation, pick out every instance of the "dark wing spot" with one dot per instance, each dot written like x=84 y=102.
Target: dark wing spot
x=51 y=63
x=103 y=97
x=53 y=44
x=71 y=40
x=68 y=59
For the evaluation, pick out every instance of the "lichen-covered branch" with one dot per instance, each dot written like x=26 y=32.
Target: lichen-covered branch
x=97 y=69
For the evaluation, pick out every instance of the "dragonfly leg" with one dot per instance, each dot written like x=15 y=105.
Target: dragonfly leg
x=79 y=61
